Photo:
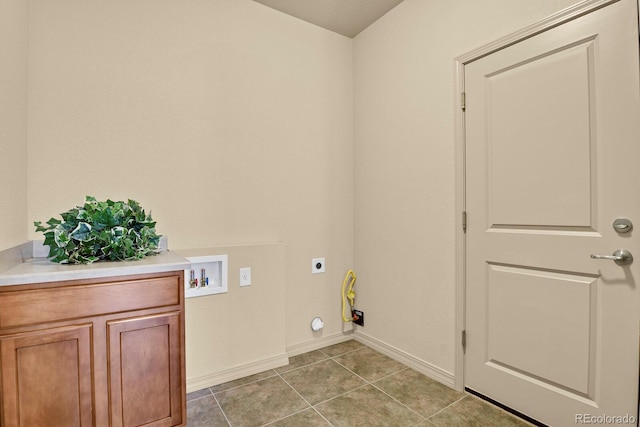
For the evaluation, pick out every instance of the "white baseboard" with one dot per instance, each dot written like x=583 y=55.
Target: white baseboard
x=237 y=372
x=241 y=371
x=318 y=343
x=426 y=368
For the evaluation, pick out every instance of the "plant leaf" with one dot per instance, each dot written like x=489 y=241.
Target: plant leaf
x=82 y=232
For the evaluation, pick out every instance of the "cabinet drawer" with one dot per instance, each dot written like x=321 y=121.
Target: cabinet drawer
x=27 y=307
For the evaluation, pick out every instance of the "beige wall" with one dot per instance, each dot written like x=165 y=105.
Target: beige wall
x=230 y=121
x=404 y=164
x=13 y=122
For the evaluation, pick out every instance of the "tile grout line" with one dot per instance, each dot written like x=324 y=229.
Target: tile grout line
x=371 y=383
x=423 y=418
x=220 y=406
x=446 y=407
x=340 y=395
x=322 y=416
x=303 y=398
x=340 y=364
x=201 y=397
x=367 y=382
x=391 y=374
x=242 y=385
x=328 y=357
x=342 y=354
x=303 y=366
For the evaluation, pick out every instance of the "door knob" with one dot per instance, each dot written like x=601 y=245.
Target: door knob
x=620 y=256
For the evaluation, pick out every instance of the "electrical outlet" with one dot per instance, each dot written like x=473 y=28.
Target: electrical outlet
x=245 y=276
x=358 y=317
x=317 y=265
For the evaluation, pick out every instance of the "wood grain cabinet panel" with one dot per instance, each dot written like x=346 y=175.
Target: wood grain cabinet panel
x=93 y=353
x=46 y=378
x=144 y=370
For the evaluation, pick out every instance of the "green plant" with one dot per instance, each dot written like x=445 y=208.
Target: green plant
x=113 y=231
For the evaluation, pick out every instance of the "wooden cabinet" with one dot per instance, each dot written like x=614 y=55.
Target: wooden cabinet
x=93 y=352
x=144 y=370
x=46 y=377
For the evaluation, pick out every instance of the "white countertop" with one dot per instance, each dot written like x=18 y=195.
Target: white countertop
x=39 y=270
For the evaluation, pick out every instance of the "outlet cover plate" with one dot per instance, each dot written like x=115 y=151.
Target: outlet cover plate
x=245 y=276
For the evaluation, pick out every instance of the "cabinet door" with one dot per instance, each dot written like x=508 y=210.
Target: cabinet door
x=46 y=377
x=145 y=370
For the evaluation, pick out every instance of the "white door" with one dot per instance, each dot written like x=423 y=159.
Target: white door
x=552 y=127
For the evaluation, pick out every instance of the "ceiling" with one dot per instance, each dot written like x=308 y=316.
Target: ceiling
x=346 y=17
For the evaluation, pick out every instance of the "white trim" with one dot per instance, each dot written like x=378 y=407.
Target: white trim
x=559 y=18
x=426 y=368
x=460 y=206
x=546 y=24
x=318 y=343
x=237 y=372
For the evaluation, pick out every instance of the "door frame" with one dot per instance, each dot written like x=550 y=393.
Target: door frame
x=460 y=62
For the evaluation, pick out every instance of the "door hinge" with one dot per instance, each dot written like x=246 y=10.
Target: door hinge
x=464 y=221
x=463 y=101
x=464 y=340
